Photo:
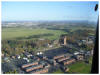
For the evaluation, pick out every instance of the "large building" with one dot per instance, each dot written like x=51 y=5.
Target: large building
x=40 y=71
x=68 y=61
x=28 y=69
x=63 y=58
x=29 y=64
x=59 y=56
x=36 y=67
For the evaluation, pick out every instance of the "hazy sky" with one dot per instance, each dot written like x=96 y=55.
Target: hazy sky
x=28 y=11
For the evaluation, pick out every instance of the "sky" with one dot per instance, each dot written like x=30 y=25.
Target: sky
x=36 y=11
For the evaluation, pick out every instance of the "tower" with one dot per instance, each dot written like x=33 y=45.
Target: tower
x=65 y=40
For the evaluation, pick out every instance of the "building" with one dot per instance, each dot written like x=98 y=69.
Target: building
x=59 y=56
x=80 y=57
x=65 y=68
x=69 y=61
x=18 y=56
x=90 y=40
x=13 y=57
x=54 y=63
x=2 y=55
x=76 y=53
x=91 y=52
x=63 y=40
x=27 y=54
x=63 y=58
x=28 y=69
x=29 y=64
x=40 y=71
x=6 y=59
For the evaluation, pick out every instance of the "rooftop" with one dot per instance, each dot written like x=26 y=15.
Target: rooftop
x=55 y=52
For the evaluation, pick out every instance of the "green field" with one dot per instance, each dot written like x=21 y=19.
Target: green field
x=11 y=33
x=80 y=67
x=90 y=60
x=58 y=72
x=81 y=28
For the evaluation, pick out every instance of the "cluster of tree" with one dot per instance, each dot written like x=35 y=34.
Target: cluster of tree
x=12 y=72
x=35 y=36
x=16 y=47
x=72 y=37
x=87 y=47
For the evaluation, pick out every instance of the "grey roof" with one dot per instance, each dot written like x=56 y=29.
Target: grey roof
x=29 y=63
x=55 y=52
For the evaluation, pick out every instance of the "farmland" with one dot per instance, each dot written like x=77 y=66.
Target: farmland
x=46 y=32
x=11 y=33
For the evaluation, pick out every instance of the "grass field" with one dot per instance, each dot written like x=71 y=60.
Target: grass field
x=81 y=28
x=11 y=33
x=80 y=67
x=90 y=60
x=58 y=72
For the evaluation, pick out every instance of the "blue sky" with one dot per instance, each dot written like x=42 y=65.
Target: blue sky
x=34 y=11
